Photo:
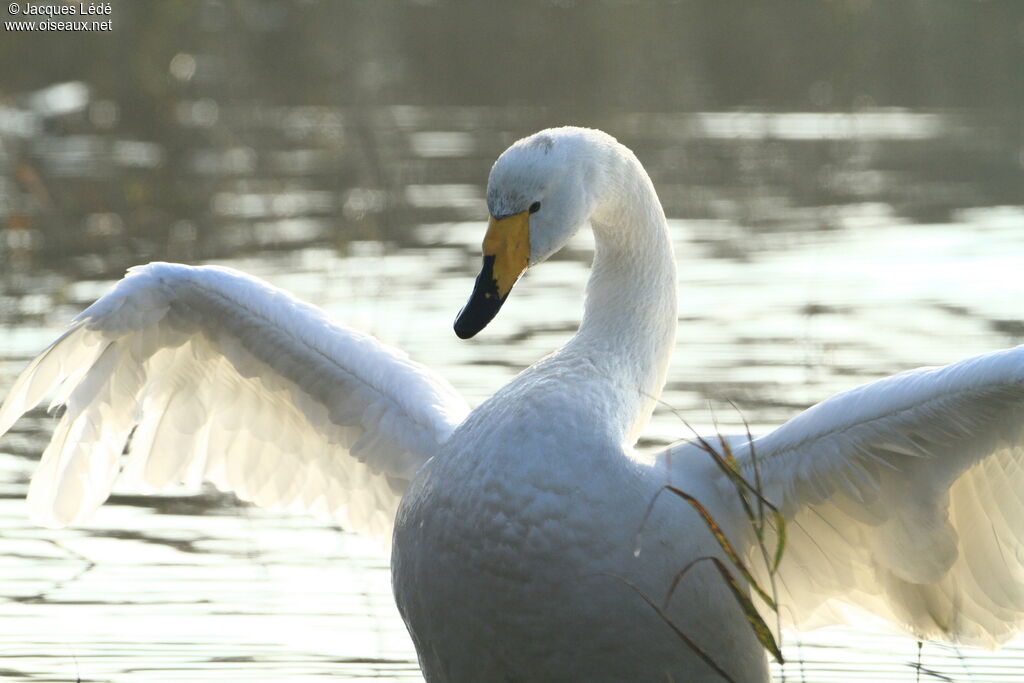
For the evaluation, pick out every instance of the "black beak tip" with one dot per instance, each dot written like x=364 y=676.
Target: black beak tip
x=476 y=314
x=483 y=303
x=464 y=330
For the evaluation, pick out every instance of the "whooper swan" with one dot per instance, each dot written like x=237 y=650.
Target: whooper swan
x=515 y=525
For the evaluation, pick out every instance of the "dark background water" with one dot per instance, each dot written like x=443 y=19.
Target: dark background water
x=843 y=179
x=190 y=115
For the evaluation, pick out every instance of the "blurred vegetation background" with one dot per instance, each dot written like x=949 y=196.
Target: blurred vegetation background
x=197 y=127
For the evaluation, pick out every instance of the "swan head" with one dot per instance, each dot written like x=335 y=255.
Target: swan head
x=541 y=191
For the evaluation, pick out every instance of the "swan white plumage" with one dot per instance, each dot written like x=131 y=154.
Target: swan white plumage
x=517 y=523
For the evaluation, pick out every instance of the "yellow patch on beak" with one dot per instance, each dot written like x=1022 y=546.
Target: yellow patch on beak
x=508 y=241
x=506 y=255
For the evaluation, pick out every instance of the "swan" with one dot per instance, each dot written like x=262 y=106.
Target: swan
x=530 y=540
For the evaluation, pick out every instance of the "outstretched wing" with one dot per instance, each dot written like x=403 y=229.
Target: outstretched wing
x=905 y=499
x=207 y=373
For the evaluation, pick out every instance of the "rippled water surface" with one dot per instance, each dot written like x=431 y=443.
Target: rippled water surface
x=834 y=222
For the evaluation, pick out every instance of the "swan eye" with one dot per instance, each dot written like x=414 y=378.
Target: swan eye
x=535 y=207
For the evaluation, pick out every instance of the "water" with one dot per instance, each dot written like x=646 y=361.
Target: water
x=835 y=219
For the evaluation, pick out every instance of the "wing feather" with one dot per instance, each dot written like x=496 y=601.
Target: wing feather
x=905 y=499
x=207 y=373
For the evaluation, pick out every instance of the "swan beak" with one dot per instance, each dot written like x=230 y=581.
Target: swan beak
x=506 y=255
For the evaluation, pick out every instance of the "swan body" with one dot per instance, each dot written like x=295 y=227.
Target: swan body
x=530 y=539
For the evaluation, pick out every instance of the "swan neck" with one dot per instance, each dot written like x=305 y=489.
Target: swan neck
x=629 y=321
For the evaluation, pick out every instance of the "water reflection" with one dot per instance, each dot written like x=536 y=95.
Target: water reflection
x=839 y=210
